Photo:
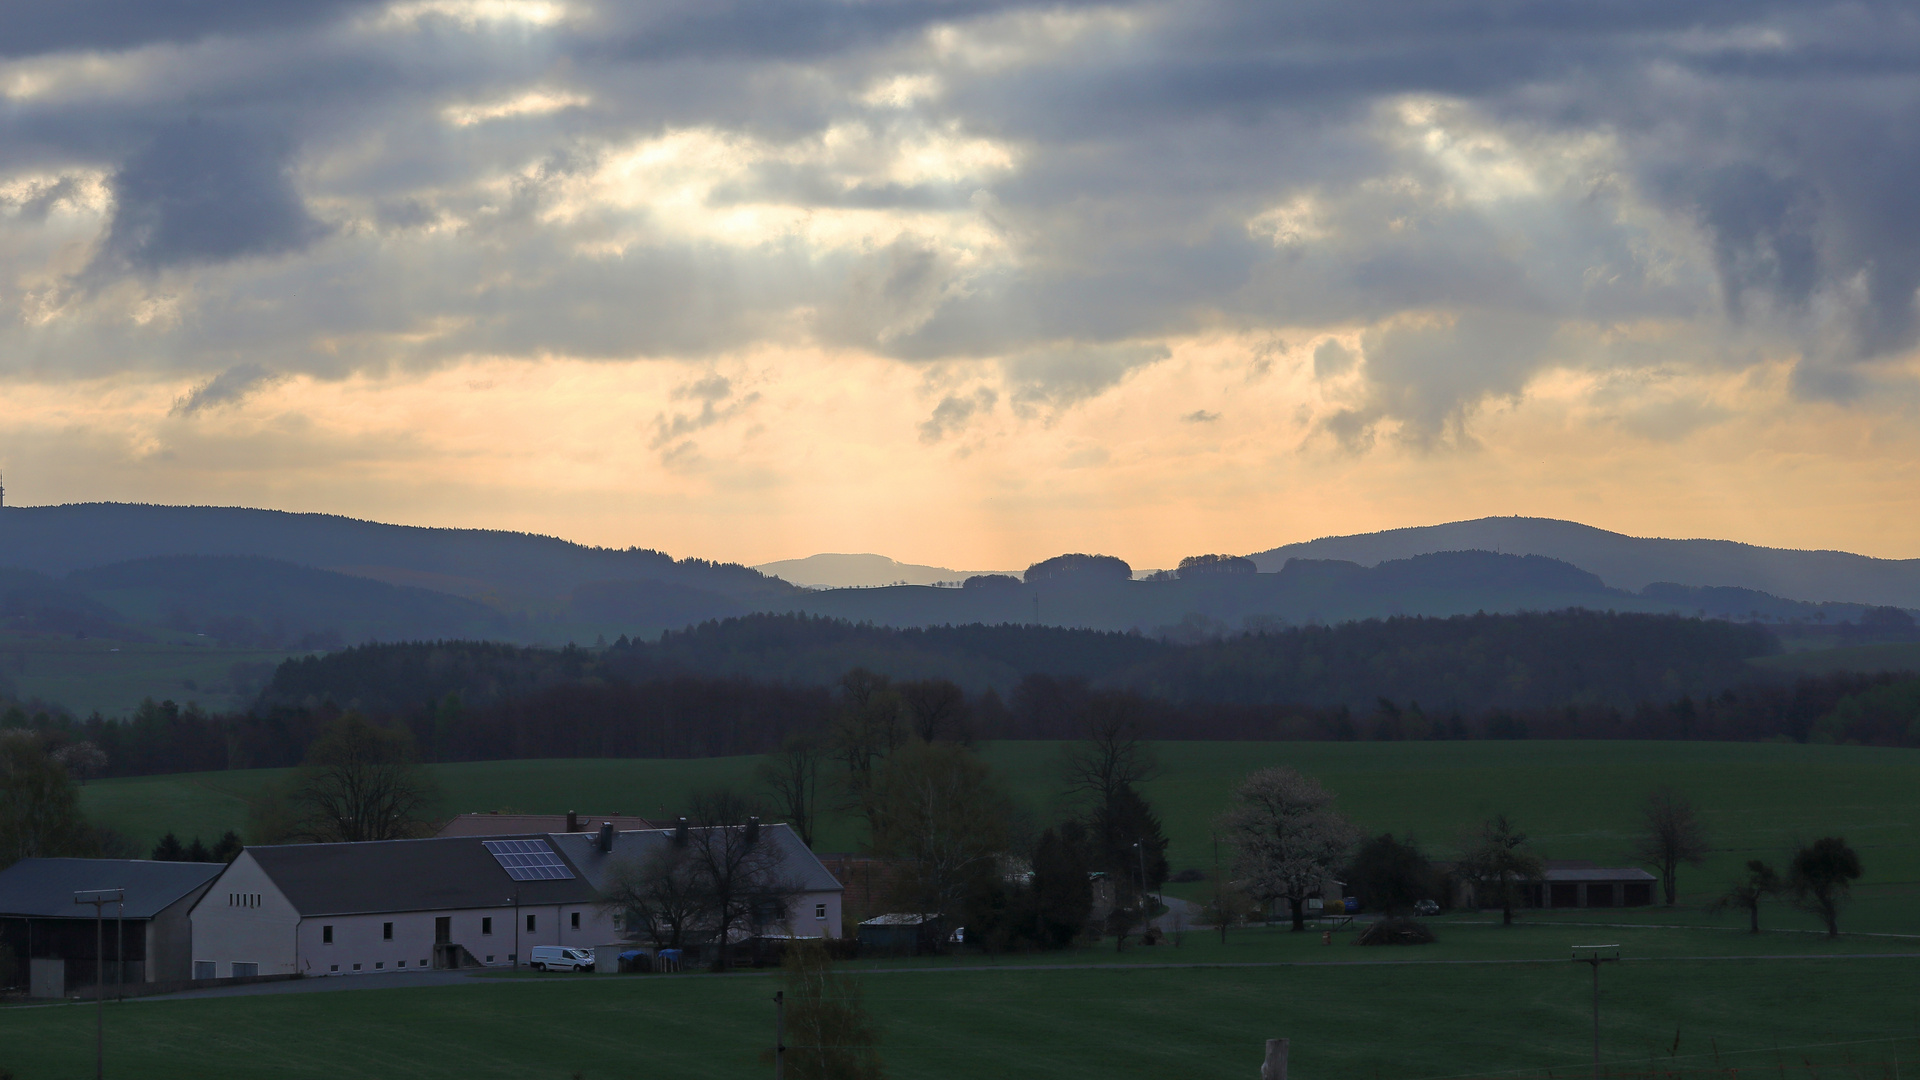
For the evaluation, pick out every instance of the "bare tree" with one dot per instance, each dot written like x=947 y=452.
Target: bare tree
x=947 y=820
x=1761 y=882
x=1670 y=835
x=360 y=782
x=1286 y=837
x=658 y=898
x=936 y=708
x=1112 y=753
x=866 y=729
x=1501 y=857
x=792 y=774
x=739 y=882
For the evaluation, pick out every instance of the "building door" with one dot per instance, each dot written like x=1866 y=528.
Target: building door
x=443 y=930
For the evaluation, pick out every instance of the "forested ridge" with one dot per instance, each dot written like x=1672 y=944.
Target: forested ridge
x=1578 y=675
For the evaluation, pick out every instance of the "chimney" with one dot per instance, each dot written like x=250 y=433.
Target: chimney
x=605 y=842
x=753 y=828
x=680 y=833
x=573 y=821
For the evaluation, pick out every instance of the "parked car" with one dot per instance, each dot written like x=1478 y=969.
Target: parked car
x=559 y=958
x=1426 y=907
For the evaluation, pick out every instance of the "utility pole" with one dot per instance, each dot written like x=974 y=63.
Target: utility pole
x=1595 y=956
x=779 y=1035
x=100 y=898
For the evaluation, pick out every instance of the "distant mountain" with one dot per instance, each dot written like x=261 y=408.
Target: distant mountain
x=265 y=603
x=58 y=539
x=829 y=571
x=1632 y=562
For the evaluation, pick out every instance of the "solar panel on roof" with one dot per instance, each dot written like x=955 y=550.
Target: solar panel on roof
x=528 y=860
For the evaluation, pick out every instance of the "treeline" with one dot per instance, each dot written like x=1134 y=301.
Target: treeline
x=687 y=716
x=1532 y=660
x=1467 y=663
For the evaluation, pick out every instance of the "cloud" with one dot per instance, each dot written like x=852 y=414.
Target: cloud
x=712 y=392
x=1058 y=378
x=954 y=412
x=1200 y=416
x=227 y=388
x=203 y=193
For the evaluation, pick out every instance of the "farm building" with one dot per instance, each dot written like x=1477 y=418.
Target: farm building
x=1569 y=883
x=147 y=939
x=395 y=905
x=816 y=907
x=453 y=901
x=1572 y=883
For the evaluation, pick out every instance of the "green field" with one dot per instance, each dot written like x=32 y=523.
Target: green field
x=1576 y=799
x=112 y=677
x=1694 y=993
x=1818 y=1016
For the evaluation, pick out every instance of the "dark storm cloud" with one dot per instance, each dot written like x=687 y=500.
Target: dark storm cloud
x=202 y=193
x=1755 y=182
x=28 y=29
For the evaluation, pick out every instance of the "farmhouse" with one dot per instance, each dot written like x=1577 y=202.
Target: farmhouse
x=450 y=901
x=396 y=905
x=146 y=939
x=816 y=907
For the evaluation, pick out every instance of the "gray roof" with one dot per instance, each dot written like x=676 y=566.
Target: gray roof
x=1596 y=873
x=582 y=850
x=44 y=888
x=436 y=874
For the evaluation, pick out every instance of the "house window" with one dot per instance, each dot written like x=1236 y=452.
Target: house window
x=356 y=967
x=489 y=958
x=386 y=931
x=530 y=924
x=486 y=925
x=326 y=935
x=576 y=920
x=819 y=911
x=402 y=963
x=379 y=965
x=335 y=967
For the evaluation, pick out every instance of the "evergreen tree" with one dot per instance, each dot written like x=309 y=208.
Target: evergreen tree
x=169 y=849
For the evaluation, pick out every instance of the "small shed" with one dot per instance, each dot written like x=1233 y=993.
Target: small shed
x=899 y=933
x=1583 y=884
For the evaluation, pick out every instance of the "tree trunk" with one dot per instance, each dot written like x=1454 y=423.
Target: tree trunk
x=1753 y=917
x=1506 y=903
x=1667 y=875
x=1298 y=905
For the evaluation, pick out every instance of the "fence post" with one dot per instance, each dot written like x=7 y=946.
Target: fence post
x=1275 y=1067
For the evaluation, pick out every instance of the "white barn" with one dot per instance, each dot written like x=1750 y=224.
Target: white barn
x=396 y=905
x=446 y=902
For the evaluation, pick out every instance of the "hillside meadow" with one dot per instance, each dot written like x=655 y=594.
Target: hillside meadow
x=1828 y=1016
x=1574 y=799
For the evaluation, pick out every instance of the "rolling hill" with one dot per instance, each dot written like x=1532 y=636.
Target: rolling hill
x=1633 y=562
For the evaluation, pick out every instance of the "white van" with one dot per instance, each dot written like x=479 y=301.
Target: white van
x=556 y=958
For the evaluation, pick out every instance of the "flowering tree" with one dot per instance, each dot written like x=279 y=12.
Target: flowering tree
x=1286 y=837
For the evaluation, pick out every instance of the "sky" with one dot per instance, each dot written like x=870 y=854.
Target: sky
x=968 y=282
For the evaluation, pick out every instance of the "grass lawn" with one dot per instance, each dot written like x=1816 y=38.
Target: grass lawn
x=1523 y=1015
x=1575 y=799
